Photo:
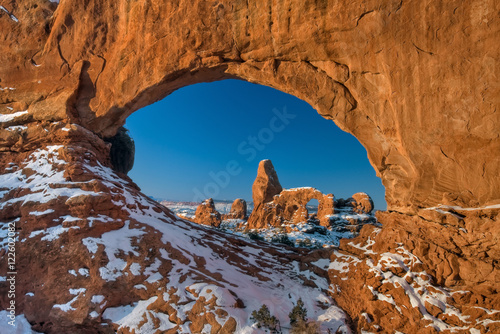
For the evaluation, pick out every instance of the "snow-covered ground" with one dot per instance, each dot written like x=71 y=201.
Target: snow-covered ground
x=309 y=235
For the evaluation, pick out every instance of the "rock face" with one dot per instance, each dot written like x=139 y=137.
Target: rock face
x=372 y=67
x=361 y=203
x=91 y=246
x=326 y=207
x=238 y=209
x=289 y=206
x=122 y=151
x=206 y=214
x=266 y=184
x=415 y=82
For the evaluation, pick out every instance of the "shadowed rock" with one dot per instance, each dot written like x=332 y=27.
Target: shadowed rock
x=122 y=151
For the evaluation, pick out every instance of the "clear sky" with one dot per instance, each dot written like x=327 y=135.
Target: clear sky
x=206 y=140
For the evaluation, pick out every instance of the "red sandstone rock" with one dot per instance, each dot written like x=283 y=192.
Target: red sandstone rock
x=354 y=68
x=361 y=203
x=415 y=85
x=326 y=208
x=238 y=209
x=289 y=207
x=266 y=184
x=206 y=214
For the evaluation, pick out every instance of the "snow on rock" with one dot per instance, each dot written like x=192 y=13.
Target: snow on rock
x=67 y=306
x=178 y=275
x=397 y=280
x=21 y=325
x=4 y=118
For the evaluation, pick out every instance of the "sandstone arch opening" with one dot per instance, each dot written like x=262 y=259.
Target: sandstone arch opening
x=205 y=141
x=187 y=140
x=312 y=206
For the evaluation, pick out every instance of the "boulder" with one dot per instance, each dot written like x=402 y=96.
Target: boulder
x=361 y=203
x=206 y=214
x=238 y=209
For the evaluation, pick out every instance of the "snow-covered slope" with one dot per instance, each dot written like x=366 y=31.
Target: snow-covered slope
x=134 y=265
x=94 y=254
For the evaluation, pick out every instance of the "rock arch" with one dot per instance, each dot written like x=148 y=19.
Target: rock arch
x=428 y=134
x=415 y=82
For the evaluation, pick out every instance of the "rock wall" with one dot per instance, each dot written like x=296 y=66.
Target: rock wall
x=415 y=82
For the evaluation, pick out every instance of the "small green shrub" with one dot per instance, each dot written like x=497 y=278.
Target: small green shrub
x=299 y=313
x=283 y=239
x=255 y=236
x=263 y=318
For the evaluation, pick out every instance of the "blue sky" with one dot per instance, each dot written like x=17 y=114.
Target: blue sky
x=206 y=140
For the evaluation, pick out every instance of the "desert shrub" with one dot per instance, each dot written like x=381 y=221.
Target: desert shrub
x=263 y=318
x=304 y=243
x=255 y=236
x=283 y=239
x=303 y=327
x=298 y=313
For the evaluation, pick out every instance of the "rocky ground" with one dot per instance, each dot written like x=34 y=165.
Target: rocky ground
x=95 y=255
x=415 y=82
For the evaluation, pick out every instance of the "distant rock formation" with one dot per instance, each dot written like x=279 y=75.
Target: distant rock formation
x=238 y=210
x=206 y=214
x=289 y=206
x=361 y=203
x=266 y=184
x=326 y=208
x=278 y=207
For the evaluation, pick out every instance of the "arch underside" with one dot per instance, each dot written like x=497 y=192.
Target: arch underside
x=414 y=82
x=351 y=63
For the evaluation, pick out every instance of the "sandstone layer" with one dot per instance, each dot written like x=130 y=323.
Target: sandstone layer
x=266 y=184
x=206 y=214
x=415 y=82
x=238 y=209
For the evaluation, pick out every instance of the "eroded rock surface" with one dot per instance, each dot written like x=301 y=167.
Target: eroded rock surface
x=266 y=184
x=238 y=210
x=207 y=214
x=361 y=203
x=94 y=254
x=415 y=82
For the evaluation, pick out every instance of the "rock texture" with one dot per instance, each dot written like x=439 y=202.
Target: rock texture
x=405 y=283
x=206 y=214
x=238 y=209
x=266 y=184
x=414 y=81
x=91 y=247
x=289 y=207
x=361 y=203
